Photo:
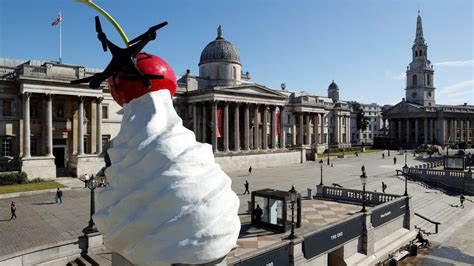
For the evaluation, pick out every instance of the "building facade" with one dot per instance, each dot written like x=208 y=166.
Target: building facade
x=418 y=119
x=69 y=126
x=373 y=112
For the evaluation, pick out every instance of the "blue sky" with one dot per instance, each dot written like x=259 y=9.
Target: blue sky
x=364 y=45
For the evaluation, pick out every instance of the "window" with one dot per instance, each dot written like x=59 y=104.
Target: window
x=34 y=110
x=414 y=81
x=105 y=112
x=343 y=122
x=429 y=94
x=421 y=53
x=234 y=73
x=7 y=147
x=60 y=110
x=428 y=80
x=34 y=146
x=413 y=94
x=375 y=127
x=7 y=108
x=370 y=136
x=365 y=136
x=105 y=142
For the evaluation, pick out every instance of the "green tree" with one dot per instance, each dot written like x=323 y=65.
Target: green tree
x=362 y=121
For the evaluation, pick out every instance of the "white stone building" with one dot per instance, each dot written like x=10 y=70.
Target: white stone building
x=373 y=112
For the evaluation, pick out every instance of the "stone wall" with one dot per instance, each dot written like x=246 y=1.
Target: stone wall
x=242 y=162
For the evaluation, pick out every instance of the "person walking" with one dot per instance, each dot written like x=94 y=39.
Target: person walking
x=13 y=211
x=383 y=155
x=362 y=169
x=461 y=200
x=86 y=178
x=394 y=160
x=258 y=216
x=388 y=153
x=246 y=187
x=250 y=170
x=384 y=187
x=59 y=195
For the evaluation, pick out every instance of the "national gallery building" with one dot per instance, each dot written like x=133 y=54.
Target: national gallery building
x=418 y=119
x=70 y=126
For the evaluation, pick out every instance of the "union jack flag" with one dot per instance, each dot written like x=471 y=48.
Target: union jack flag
x=57 y=20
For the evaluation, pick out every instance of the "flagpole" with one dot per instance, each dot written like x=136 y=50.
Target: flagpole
x=60 y=38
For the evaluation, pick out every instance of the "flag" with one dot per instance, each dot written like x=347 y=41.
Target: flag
x=218 y=127
x=57 y=20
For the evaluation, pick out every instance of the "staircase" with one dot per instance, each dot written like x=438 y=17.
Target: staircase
x=93 y=259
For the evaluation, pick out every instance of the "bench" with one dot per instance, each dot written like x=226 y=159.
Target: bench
x=400 y=255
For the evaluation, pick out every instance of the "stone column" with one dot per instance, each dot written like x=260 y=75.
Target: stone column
x=425 y=134
x=226 y=127
x=442 y=131
x=408 y=129
x=335 y=119
x=348 y=129
x=80 y=125
x=322 y=129
x=214 y=126
x=461 y=130
x=293 y=129
x=204 y=123
x=273 y=129
x=468 y=130
x=399 y=130
x=99 y=125
x=308 y=128
x=265 y=127
x=195 y=120
x=315 y=129
x=256 y=131
x=455 y=130
x=282 y=129
x=392 y=128
x=301 y=131
x=247 y=127
x=236 y=127
x=49 y=125
x=431 y=130
x=416 y=130
x=26 y=125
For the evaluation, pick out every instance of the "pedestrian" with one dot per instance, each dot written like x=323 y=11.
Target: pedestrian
x=86 y=179
x=357 y=154
x=250 y=170
x=246 y=187
x=424 y=242
x=362 y=169
x=461 y=199
x=13 y=210
x=394 y=160
x=383 y=155
x=388 y=153
x=258 y=216
x=384 y=186
x=59 y=195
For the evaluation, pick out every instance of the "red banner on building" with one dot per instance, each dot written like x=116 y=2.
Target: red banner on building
x=277 y=124
x=219 y=122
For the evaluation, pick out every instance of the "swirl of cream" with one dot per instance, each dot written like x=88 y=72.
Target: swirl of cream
x=167 y=200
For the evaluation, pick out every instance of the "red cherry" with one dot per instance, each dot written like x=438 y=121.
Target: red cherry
x=124 y=90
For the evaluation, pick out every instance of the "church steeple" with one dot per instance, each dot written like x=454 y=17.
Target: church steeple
x=420 y=87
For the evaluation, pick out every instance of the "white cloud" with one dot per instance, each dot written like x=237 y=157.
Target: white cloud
x=465 y=63
x=457 y=93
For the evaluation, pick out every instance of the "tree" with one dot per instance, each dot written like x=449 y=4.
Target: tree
x=361 y=121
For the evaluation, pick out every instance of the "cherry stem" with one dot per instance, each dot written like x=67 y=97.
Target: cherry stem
x=108 y=17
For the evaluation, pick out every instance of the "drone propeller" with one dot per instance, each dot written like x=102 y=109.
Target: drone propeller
x=144 y=76
x=100 y=34
x=83 y=80
x=151 y=33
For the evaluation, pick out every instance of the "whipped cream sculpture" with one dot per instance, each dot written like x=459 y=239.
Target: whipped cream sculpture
x=167 y=201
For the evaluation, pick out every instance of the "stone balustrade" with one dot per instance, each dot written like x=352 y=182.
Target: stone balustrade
x=353 y=195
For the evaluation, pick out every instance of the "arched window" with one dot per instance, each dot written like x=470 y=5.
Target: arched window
x=428 y=79
x=421 y=53
x=234 y=73
x=414 y=81
x=416 y=53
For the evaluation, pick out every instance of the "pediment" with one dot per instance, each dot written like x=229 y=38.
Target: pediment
x=254 y=89
x=404 y=107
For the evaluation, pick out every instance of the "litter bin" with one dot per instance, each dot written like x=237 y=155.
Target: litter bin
x=413 y=250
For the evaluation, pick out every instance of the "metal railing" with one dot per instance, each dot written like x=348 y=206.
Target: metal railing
x=435 y=223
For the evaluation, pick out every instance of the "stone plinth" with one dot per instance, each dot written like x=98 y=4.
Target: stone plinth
x=39 y=167
x=86 y=164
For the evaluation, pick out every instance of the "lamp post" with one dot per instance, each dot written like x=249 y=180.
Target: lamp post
x=321 y=165
x=405 y=173
x=293 y=196
x=92 y=185
x=405 y=157
x=363 y=180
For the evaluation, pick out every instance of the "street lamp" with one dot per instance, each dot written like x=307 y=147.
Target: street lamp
x=363 y=180
x=405 y=173
x=293 y=196
x=321 y=165
x=92 y=185
x=405 y=157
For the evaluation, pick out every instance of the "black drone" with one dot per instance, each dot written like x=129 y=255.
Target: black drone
x=123 y=59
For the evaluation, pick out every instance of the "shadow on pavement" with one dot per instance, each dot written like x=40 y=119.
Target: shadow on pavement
x=448 y=253
x=43 y=203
